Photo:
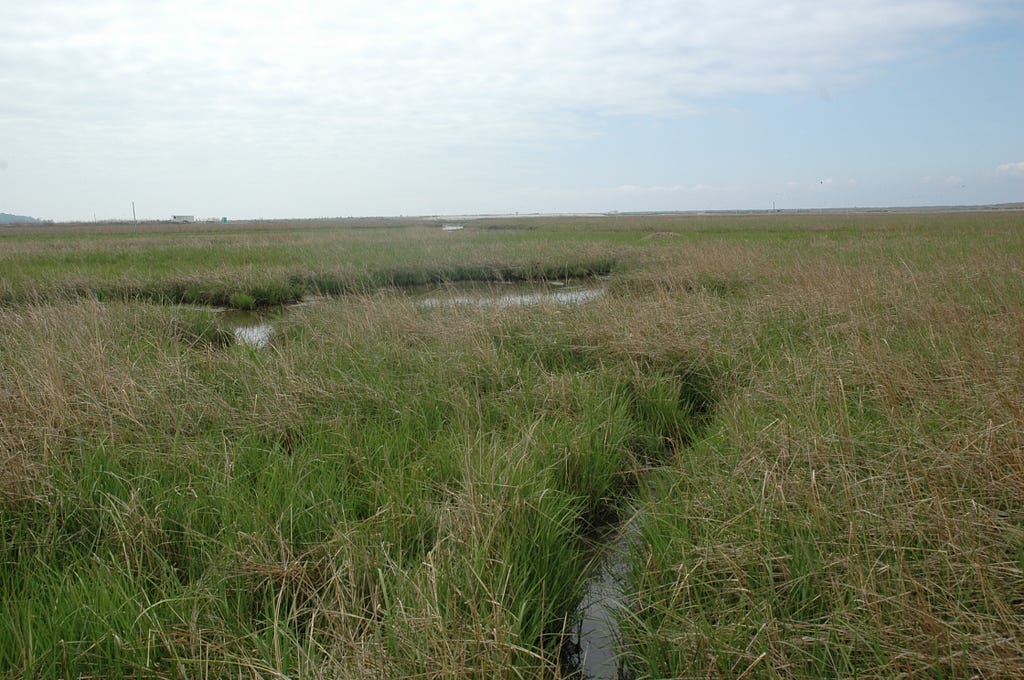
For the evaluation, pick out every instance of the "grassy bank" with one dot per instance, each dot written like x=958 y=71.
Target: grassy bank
x=816 y=421
x=252 y=265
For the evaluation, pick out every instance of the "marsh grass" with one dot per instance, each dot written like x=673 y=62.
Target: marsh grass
x=261 y=267
x=368 y=495
x=862 y=514
x=816 y=422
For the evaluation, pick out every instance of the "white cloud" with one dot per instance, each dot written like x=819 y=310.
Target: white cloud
x=1011 y=169
x=501 y=70
x=346 y=89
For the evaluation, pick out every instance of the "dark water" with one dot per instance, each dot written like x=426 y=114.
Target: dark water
x=597 y=636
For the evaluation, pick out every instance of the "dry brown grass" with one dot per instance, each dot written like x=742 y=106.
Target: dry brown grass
x=870 y=409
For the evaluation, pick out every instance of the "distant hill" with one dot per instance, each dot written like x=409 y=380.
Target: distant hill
x=7 y=218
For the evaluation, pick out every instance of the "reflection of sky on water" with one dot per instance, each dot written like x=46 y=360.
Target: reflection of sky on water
x=254 y=336
x=250 y=328
x=564 y=296
x=598 y=634
x=255 y=329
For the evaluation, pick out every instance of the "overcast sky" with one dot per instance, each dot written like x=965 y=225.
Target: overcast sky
x=305 y=108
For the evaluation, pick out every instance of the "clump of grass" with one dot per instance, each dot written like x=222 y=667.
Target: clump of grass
x=242 y=301
x=196 y=327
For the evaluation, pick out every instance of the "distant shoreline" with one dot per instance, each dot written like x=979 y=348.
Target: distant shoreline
x=22 y=220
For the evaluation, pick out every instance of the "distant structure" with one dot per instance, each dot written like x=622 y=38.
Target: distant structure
x=183 y=219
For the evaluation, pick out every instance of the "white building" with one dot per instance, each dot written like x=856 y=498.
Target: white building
x=183 y=219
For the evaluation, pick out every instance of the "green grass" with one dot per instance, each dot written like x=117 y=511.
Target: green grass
x=276 y=266
x=373 y=480
x=814 y=419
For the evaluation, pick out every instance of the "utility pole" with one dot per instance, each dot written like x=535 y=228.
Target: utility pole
x=134 y=218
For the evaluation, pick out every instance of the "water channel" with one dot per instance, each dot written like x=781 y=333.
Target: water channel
x=256 y=328
x=596 y=640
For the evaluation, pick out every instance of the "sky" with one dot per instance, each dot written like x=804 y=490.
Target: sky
x=308 y=108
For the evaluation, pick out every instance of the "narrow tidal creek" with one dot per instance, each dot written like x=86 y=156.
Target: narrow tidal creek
x=597 y=637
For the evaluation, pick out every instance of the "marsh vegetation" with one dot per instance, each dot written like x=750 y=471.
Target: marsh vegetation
x=813 y=424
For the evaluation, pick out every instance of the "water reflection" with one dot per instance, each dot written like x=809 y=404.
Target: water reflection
x=256 y=328
x=598 y=633
x=250 y=328
x=497 y=295
x=254 y=336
